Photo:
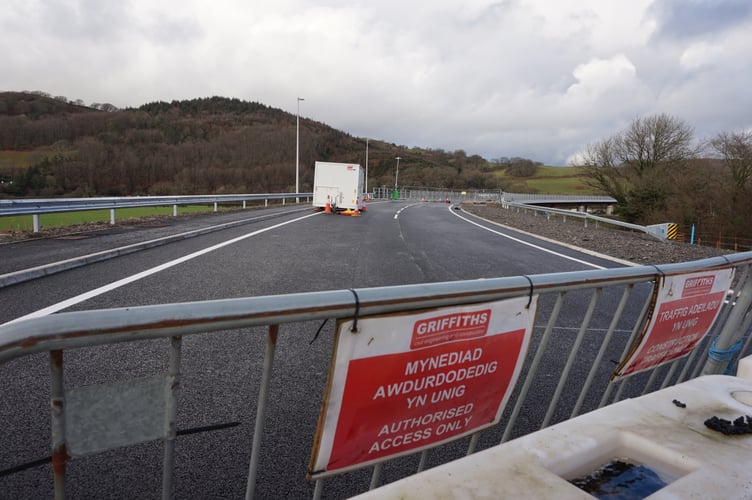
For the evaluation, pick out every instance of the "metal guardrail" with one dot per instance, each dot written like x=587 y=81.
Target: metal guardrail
x=557 y=198
x=580 y=215
x=556 y=352
x=480 y=195
x=37 y=206
x=437 y=194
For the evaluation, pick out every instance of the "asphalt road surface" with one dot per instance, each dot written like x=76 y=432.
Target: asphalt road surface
x=274 y=251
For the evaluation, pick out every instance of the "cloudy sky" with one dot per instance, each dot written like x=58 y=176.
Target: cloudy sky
x=533 y=78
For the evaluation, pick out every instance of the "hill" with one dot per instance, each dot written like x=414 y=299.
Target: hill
x=49 y=147
x=36 y=105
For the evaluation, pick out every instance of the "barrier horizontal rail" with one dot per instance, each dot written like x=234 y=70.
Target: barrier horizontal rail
x=490 y=195
x=430 y=194
x=38 y=206
x=27 y=206
x=89 y=328
x=581 y=215
x=557 y=198
x=73 y=330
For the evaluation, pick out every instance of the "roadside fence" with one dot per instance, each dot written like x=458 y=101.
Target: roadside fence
x=38 y=206
x=436 y=194
x=585 y=323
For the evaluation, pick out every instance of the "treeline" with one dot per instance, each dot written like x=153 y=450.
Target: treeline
x=656 y=168
x=659 y=171
x=199 y=146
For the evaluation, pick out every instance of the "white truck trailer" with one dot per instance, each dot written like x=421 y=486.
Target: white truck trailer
x=339 y=184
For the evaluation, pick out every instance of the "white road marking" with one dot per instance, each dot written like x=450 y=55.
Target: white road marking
x=580 y=261
x=401 y=209
x=125 y=250
x=143 y=274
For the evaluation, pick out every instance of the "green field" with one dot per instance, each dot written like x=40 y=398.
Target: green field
x=25 y=159
x=552 y=180
x=559 y=185
x=14 y=159
x=25 y=222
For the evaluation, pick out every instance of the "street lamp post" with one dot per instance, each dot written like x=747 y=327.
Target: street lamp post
x=366 y=189
x=297 y=152
x=396 y=176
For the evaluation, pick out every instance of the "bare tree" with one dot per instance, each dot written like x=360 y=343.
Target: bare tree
x=736 y=150
x=638 y=166
x=600 y=163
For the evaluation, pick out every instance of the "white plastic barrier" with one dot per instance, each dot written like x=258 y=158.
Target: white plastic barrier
x=663 y=431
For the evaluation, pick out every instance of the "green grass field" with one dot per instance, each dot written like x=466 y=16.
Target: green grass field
x=24 y=159
x=25 y=222
x=14 y=159
x=560 y=185
x=552 y=180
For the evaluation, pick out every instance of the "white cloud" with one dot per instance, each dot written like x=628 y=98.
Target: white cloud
x=698 y=55
x=528 y=78
x=598 y=76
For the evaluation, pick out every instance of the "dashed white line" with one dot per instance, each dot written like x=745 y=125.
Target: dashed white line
x=403 y=208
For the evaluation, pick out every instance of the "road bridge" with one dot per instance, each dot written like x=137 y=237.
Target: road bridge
x=223 y=333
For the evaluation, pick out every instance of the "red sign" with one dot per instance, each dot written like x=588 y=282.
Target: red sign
x=405 y=383
x=677 y=326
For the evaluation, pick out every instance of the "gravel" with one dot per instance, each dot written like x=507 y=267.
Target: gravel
x=636 y=247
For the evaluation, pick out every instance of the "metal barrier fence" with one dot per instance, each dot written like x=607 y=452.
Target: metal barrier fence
x=436 y=194
x=565 y=373
x=484 y=195
x=561 y=198
x=585 y=216
x=37 y=206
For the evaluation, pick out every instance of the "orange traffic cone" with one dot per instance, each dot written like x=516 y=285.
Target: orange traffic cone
x=328 y=208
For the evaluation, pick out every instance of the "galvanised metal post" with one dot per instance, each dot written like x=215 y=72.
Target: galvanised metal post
x=732 y=331
x=263 y=397
x=297 y=153
x=173 y=384
x=57 y=423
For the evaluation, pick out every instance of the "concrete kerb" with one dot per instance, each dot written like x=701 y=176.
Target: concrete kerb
x=32 y=273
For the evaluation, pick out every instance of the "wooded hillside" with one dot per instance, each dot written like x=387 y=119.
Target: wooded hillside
x=200 y=146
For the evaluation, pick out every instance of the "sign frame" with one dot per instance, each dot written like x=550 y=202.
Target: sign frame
x=685 y=308
x=408 y=382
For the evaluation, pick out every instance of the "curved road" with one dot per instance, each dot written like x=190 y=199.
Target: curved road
x=273 y=251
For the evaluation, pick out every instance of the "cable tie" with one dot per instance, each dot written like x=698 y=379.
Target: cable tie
x=318 y=332
x=729 y=355
x=354 y=328
x=663 y=275
x=530 y=296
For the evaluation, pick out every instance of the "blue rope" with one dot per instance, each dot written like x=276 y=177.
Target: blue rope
x=729 y=355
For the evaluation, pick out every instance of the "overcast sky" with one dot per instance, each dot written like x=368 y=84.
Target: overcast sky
x=533 y=78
